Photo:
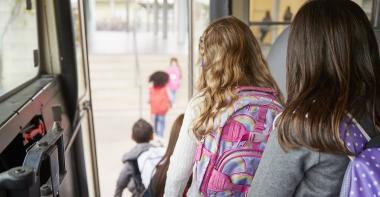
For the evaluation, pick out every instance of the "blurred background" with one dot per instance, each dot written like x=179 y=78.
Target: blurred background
x=129 y=40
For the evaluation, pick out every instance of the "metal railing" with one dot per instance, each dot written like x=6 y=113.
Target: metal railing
x=191 y=52
x=137 y=65
x=376 y=14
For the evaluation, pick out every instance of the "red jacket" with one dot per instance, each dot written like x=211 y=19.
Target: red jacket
x=159 y=100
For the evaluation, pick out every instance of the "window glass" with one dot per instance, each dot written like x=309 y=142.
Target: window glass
x=18 y=40
x=268 y=19
x=366 y=5
x=201 y=18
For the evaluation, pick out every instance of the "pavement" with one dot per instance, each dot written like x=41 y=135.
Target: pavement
x=115 y=94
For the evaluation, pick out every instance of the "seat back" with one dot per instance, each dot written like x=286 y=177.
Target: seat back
x=277 y=59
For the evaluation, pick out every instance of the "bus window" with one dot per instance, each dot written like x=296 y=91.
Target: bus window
x=366 y=6
x=200 y=13
x=18 y=44
x=268 y=19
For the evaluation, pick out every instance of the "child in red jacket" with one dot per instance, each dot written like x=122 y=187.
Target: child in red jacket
x=159 y=100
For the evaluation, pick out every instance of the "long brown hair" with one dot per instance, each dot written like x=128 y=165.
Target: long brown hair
x=231 y=57
x=162 y=168
x=332 y=67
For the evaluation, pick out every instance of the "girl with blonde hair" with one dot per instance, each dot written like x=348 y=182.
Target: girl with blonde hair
x=233 y=111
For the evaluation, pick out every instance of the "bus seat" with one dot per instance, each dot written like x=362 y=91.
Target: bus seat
x=277 y=59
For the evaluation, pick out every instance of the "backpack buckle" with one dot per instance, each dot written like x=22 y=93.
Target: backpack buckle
x=253 y=137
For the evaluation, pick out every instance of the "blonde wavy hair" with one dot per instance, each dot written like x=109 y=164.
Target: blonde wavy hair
x=231 y=57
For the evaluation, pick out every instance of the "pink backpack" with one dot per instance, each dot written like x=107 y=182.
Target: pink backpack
x=227 y=158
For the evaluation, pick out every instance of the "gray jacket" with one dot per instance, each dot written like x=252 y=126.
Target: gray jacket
x=301 y=172
x=298 y=172
x=129 y=176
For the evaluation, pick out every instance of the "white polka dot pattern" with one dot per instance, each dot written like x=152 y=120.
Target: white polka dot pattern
x=362 y=177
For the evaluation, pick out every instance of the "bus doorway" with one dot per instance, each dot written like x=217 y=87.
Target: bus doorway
x=130 y=41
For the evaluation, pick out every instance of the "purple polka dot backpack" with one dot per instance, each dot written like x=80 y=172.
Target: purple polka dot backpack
x=362 y=176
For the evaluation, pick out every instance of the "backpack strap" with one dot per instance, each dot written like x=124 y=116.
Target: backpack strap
x=261 y=119
x=367 y=137
x=361 y=131
x=374 y=142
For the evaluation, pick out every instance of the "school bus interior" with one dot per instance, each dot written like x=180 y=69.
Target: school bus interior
x=47 y=133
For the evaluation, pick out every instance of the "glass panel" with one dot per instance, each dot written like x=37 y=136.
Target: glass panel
x=18 y=39
x=77 y=24
x=201 y=18
x=366 y=5
x=278 y=10
x=269 y=18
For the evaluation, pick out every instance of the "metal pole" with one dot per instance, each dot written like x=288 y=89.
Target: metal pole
x=137 y=65
x=182 y=20
x=127 y=15
x=275 y=17
x=219 y=9
x=112 y=7
x=246 y=11
x=191 y=44
x=148 y=8
x=155 y=10
x=376 y=14
x=165 y=19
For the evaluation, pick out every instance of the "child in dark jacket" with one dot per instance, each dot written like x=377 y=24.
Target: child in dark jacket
x=130 y=176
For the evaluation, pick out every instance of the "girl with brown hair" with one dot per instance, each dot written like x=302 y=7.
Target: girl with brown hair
x=232 y=66
x=332 y=71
